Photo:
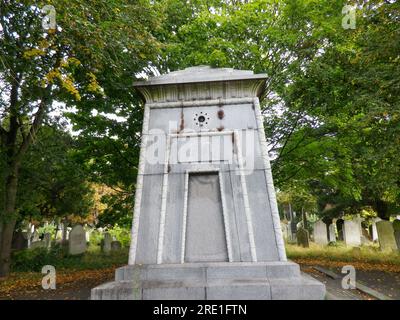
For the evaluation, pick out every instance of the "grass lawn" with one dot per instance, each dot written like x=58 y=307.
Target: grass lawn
x=365 y=257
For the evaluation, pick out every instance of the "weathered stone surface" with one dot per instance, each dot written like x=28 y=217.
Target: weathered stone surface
x=106 y=243
x=397 y=238
x=352 y=232
x=77 y=240
x=387 y=241
x=204 y=193
x=284 y=228
x=37 y=244
x=374 y=233
x=221 y=281
x=396 y=225
x=302 y=237
x=320 y=233
x=19 y=241
x=47 y=240
x=116 y=246
x=332 y=232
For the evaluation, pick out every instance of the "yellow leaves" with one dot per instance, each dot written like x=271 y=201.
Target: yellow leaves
x=32 y=53
x=53 y=74
x=66 y=82
x=93 y=85
x=68 y=85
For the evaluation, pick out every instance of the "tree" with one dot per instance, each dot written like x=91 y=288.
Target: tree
x=94 y=41
x=52 y=183
x=350 y=94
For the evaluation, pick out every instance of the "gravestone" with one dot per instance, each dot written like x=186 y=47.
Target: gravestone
x=77 y=240
x=106 y=243
x=332 y=232
x=365 y=237
x=340 y=229
x=302 y=238
x=284 y=228
x=352 y=232
x=291 y=231
x=47 y=240
x=116 y=246
x=320 y=233
x=19 y=241
x=35 y=236
x=374 y=231
x=206 y=222
x=396 y=228
x=37 y=244
x=387 y=241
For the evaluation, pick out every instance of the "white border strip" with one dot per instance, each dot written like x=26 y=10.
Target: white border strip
x=139 y=188
x=270 y=183
x=247 y=209
x=226 y=218
x=184 y=219
x=163 y=203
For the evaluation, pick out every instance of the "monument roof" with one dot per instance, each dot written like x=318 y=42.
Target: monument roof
x=201 y=74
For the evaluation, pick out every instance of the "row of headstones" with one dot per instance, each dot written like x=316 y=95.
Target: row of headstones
x=23 y=240
x=77 y=239
x=77 y=242
x=352 y=233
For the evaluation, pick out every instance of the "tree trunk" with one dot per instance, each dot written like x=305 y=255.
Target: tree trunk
x=9 y=220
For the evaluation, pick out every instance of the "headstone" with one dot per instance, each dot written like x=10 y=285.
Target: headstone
x=106 y=243
x=64 y=232
x=77 y=240
x=340 y=229
x=20 y=241
x=374 y=233
x=396 y=225
x=116 y=245
x=35 y=236
x=302 y=238
x=365 y=237
x=396 y=228
x=284 y=228
x=320 y=234
x=205 y=195
x=38 y=244
x=292 y=231
x=387 y=241
x=352 y=232
x=332 y=232
x=47 y=240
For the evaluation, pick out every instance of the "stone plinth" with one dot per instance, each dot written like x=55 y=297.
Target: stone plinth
x=211 y=281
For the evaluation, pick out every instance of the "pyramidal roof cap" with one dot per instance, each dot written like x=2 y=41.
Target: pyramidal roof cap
x=201 y=74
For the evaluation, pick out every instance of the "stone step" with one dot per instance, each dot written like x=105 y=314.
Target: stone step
x=206 y=272
x=302 y=287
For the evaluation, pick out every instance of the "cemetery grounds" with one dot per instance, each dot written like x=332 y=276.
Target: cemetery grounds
x=77 y=275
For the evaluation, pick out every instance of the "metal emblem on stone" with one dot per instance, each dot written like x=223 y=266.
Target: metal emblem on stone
x=206 y=222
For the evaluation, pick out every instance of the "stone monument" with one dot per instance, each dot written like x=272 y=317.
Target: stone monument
x=77 y=240
x=106 y=243
x=387 y=240
x=302 y=237
x=320 y=233
x=206 y=223
x=352 y=232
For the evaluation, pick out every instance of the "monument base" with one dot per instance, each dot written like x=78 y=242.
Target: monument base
x=211 y=281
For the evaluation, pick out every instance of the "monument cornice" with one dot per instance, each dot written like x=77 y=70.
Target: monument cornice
x=208 y=84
